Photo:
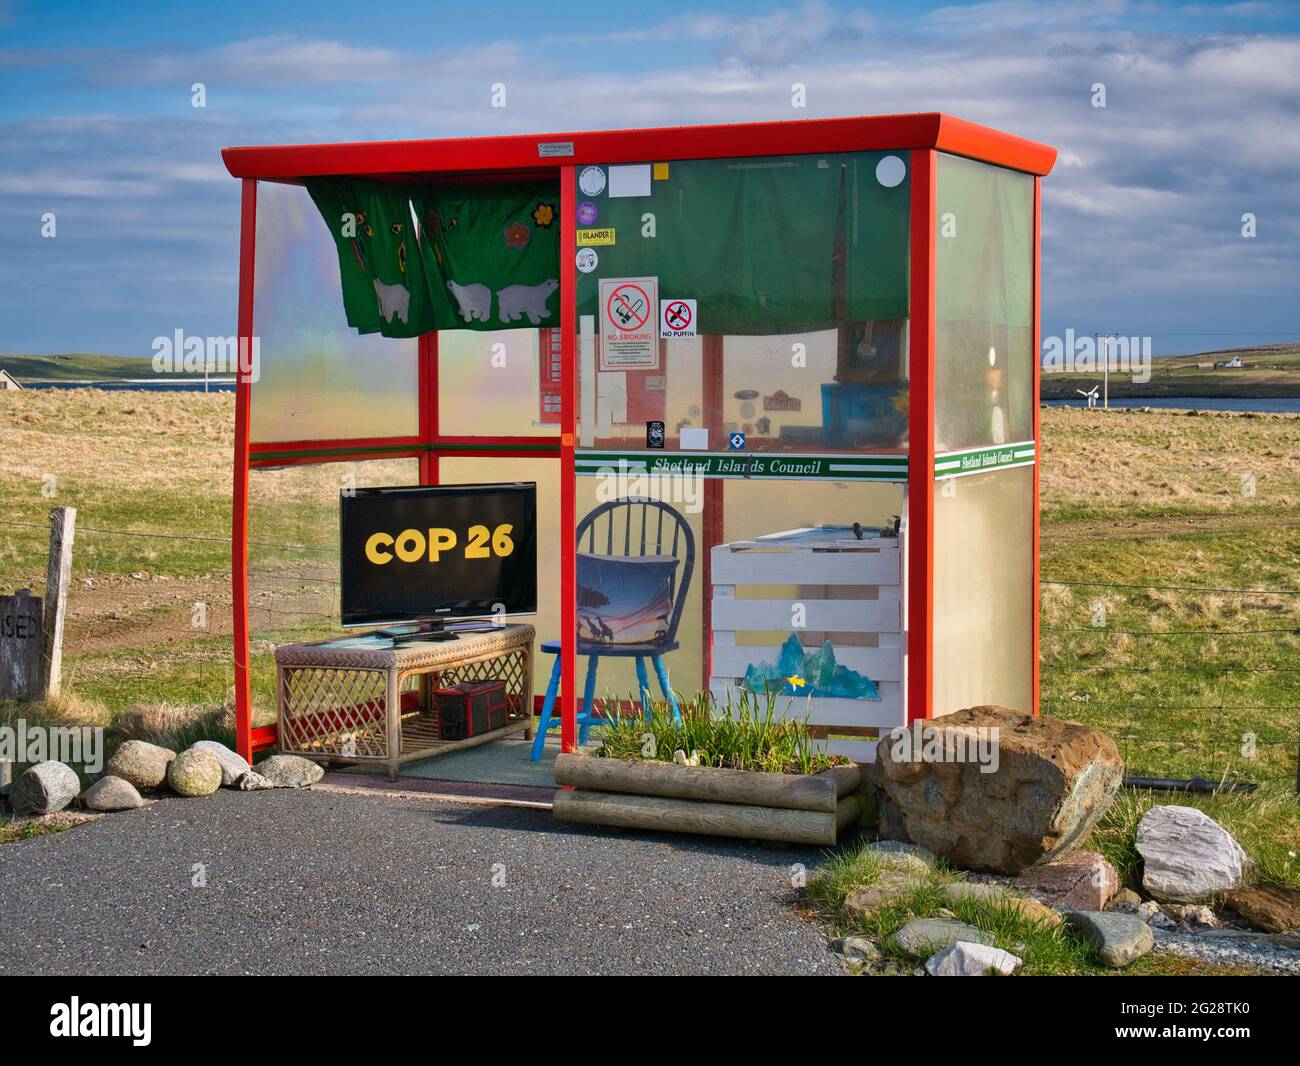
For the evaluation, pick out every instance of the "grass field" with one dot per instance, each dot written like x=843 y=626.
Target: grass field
x=1147 y=518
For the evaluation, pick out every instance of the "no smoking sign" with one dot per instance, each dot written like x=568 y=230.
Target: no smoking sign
x=677 y=318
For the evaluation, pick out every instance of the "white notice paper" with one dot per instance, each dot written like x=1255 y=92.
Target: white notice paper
x=631 y=180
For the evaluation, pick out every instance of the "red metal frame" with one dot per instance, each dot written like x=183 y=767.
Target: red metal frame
x=920 y=439
x=522 y=154
x=239 y=497
x=1038 y=458
x=502 y=158
x=568 y=475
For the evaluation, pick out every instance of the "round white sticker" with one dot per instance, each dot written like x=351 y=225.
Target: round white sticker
x=591 y=181
x=587 y=260
x=891 y=171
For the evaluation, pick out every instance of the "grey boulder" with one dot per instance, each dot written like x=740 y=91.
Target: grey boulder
x=289 y=771
x=45 y=788
x=233 y=765
x=1118 y=939
x=141 y=763
x=111 y=793
x=924 y=936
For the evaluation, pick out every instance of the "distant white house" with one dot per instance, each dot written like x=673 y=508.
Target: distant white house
x=1229 y=364
x=8 y=382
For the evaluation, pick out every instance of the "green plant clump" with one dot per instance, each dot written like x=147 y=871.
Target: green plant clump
x=746 y=732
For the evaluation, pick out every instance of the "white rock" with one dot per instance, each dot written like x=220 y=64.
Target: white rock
x=233 y=765
x=965 y=959
x=1187 y=856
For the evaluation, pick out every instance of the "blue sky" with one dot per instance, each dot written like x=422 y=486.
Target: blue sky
x=1142 y=215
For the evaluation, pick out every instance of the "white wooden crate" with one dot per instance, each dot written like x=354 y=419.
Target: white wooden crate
x=847 y=587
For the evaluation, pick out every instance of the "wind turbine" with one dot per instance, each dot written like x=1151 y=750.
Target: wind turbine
x=1090 y=395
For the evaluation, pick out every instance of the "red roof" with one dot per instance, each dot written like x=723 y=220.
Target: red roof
x=519 y=154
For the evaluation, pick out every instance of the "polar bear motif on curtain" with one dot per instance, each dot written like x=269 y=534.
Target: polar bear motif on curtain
x=394 y=301
x=515 y=301
x=475 y=301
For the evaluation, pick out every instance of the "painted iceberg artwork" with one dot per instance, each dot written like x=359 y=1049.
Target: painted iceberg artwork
x=799 y=673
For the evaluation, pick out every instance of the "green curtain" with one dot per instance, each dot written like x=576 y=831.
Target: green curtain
x=782 y=244
x=486 y=257
x=492 y=254
x=383 y=275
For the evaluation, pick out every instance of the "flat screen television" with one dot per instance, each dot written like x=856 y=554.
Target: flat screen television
x=437 y=553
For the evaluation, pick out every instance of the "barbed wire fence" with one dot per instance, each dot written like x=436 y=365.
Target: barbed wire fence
x=149 y=616
x=1236 y=735
x=150 y=621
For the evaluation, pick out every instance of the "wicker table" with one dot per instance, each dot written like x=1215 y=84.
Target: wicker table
x=362 y=699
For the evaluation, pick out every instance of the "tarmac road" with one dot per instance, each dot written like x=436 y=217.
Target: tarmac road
x=322 y=882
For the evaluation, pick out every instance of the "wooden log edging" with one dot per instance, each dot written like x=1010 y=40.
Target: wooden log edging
x=629 y=811
x=796 y=792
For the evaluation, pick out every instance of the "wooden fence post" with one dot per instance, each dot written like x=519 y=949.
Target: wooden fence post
x=63 y=523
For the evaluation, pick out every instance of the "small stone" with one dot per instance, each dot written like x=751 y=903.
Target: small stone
x=233 y=765
x=888 y=886
x=289 y=771
x=1193 y=915
x=966 y=959
x=1028 y=909
x=908 y=858
x=1273 y=908
x=1080 y=880
x=1126 y=901
x=901 y=847
x=194 y=773
x=45 y=788
x=141 y=763
x=111 y=793
x=924 y=936
x=252 y=781
x=1187 y=856
x=1117 y=939
x=1151 y=913
x=857 y=949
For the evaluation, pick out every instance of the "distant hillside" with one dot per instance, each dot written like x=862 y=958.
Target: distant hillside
x=1269 y=371
x=80 y=367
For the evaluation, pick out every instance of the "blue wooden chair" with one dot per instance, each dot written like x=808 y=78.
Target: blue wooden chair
x=628 y=527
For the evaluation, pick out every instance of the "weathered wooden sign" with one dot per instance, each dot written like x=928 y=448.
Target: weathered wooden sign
x=22 y=668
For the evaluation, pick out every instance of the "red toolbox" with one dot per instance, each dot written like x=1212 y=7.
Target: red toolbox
x=471 y=708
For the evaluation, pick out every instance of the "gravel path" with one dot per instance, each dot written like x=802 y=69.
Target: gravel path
x=326 y=882
x=1230 y=950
